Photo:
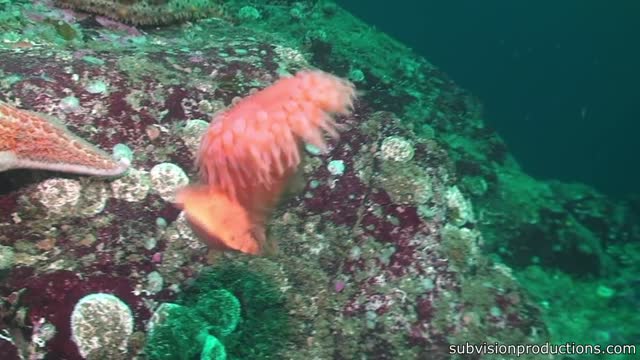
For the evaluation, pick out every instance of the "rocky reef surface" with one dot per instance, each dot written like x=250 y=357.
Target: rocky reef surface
x=380 y=252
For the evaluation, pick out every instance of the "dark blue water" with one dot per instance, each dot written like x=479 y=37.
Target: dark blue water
x=560 y=80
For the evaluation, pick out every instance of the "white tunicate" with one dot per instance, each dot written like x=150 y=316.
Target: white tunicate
x=59 y=196
x=396 y=148
x=133 y=186
x=166 y=179
x=101 y=324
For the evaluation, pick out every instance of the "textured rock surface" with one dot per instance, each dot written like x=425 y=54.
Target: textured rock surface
x=370 y=266
x=379 y=249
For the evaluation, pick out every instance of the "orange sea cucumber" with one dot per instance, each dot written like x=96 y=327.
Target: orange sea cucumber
x=250 y=151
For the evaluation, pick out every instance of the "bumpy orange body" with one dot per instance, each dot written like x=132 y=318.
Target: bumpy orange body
x=250 y=151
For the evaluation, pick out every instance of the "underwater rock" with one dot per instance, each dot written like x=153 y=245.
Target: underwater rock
x=381 y=253
x=148 y=12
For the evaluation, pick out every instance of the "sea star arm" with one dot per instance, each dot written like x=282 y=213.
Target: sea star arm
x=33 y=141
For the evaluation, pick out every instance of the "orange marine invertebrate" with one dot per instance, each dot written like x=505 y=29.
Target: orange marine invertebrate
x=251 y=150
x=148 y=12
x=31 y=140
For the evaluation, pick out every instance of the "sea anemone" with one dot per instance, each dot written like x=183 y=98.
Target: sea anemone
x=251 y=150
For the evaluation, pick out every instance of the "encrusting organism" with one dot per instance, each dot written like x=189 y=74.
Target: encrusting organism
x=148 y=12
x=250 y=151
x=34 y=141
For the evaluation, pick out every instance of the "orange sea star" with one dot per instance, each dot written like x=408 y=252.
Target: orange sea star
x=31 y=140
